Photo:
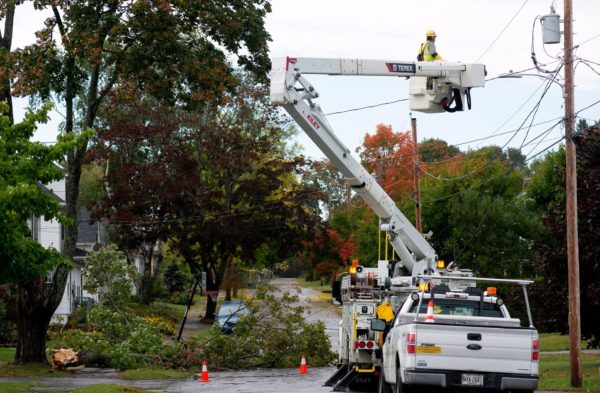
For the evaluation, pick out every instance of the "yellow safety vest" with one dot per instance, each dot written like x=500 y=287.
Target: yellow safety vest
x=427 y=56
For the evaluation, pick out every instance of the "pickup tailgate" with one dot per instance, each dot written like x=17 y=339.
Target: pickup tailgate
x=474 y=348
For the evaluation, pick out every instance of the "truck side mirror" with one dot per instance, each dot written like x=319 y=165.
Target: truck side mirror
x=336 y=291
x=377 y=325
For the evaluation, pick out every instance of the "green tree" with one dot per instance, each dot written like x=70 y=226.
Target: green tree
x=436 y=150
x=323 y=176
x=112 y=328
x=547 y=196
x=477 y=213
x=170 y=49
x=25 y=168
x=107 y=274
x=91 y=187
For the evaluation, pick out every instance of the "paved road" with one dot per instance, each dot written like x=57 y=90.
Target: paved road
x=259 y=381
x=319 y=311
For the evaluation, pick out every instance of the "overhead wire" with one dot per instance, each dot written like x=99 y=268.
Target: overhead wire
x=366 y=107
x=589 y=66
x=531 y=114
x=511 y=72
x=502 y=32
x=528 y=159
x=486 y=164
x=536 y=108
x=518 y=110
x=586 y=41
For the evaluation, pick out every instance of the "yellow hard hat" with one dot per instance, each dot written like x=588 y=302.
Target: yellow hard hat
x=430 y=33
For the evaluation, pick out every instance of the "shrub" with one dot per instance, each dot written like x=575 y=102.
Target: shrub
x=275 y=335
x=126 y=340
x=107 y=273
x=162 y=324
x=174 y=278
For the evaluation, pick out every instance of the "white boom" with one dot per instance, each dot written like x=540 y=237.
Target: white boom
x=295 y=94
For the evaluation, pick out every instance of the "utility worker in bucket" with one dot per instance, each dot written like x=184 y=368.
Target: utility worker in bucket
x=428 y=52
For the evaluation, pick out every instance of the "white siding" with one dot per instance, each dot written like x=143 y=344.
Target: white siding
x=51 y=234
x=72 y=291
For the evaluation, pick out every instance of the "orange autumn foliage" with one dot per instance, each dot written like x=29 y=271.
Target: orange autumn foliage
x=389 y=154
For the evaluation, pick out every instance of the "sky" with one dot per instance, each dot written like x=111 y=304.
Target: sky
x=495 y=33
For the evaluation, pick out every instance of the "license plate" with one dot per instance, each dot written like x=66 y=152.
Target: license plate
x=472 y=379
x=431 y=349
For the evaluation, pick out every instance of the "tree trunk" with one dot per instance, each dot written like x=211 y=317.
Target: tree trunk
x=214 y=280
x=33 y=318
x=150 y=273
x=6 y=43
x=211 y=305
x=147 y=282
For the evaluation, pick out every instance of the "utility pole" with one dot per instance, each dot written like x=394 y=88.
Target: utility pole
x=572 y=232
x=413 y=123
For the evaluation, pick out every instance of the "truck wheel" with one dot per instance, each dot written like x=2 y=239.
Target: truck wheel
x=400 y=387
x=383 y=386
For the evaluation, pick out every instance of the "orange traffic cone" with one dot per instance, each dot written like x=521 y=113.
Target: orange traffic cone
x=204 y=375
x=429 y=316
x=303 y=368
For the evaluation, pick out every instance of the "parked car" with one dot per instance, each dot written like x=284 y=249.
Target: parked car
x=228 y=314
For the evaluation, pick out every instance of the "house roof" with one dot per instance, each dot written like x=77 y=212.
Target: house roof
x=87 y=230
x=79 y=255
x=48 y=191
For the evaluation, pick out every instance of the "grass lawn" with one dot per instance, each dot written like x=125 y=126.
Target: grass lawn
x=17 y=387
x=556 y=342
x=7 y=369
x=554 y=372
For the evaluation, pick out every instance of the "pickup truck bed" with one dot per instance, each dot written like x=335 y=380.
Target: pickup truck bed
x=455 y=355
x=468 y=351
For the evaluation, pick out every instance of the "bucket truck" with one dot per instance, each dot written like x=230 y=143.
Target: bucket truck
x=433 y=87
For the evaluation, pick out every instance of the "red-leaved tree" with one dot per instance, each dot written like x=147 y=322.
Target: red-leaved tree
x=150 y=172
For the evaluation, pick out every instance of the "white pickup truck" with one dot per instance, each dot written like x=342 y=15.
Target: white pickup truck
x=467 y=339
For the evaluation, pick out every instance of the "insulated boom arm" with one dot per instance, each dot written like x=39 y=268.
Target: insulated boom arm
x=295 y=94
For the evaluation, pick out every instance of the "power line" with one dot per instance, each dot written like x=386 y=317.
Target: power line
x=511 y=72
x=366 y=107
x=588 y=107
x=586 y=41
x=486 y=164
x=493 y=177
x=503 y=30
x=584 y=62
x=517 y=111
x=536 y=109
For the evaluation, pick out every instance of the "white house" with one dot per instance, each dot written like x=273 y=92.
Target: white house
x=90 y=236
x=51 y=234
